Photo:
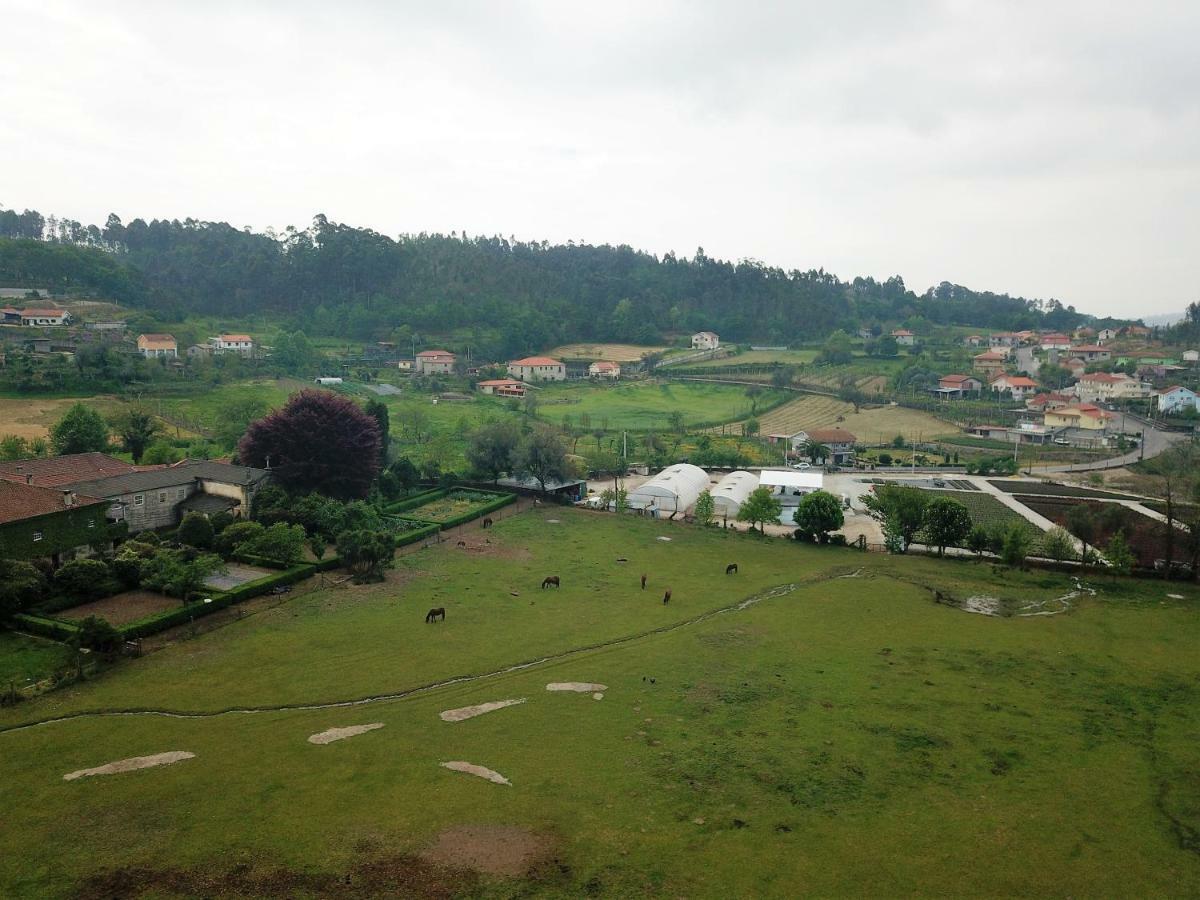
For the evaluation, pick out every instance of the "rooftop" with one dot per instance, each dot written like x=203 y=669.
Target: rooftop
x=535 y=361
x=23 y=501
x=231 y=338
x=790 y=478
x=179 y=474
x=63 y=470
x=428 y=354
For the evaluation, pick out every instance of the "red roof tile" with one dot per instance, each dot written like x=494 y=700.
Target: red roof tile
x=62 y=470
x=22 y=501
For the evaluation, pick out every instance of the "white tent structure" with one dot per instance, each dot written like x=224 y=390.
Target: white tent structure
x=731 y=492
x=672 y=490
x=788 y=485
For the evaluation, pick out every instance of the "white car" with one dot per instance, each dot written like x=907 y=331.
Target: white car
x=801 y=465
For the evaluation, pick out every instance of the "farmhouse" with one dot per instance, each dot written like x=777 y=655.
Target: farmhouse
x=1055 y=342
x=1051 y=400
x=1091 y=352
x=1004 y=339
x=957 y=385
x=904 y=337
x=1084 y=415
x=839 y=441
x=788 y=485
x=1103 y=387
x=45 y=317
x=1017 y=385
x=1175 y=399
x=153 y=346
x=40 y=522
x=537 y=368
x=56 y=471
x=1105 y=334
x=990 y=362
x=974 y=340
x=705 y=340
x=158 y=498
x=731 y=492
x=241 y=344
x=672 y=491
x=603 y=368
x=503 y=387
x=434 y=362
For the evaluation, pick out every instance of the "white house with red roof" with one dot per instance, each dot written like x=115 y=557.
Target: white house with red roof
x=1102 y=387
x=241 y=344
x=1084 y=415
x=538 y=368
x=904 y=337
x=434 y=362
x=959 y=384
x=1055 y=342
x=48 y=317
x=1091 y=352
x=1017 y=385
x=605 y=368
x=152 y=346
x=503 y=387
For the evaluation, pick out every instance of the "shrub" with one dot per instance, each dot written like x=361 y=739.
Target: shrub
x=21 y=586
x=236 y=535
x=97 y=634
x=85 y=579
x=126 y=570
x=221 y=520
x=367 y=553
x=196 y=531
x=281 y=543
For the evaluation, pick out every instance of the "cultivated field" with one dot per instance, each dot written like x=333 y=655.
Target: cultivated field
x=870 y=426
x=835 y=736
x=611 y=352
x=32 y=417
x=121 y=609
x=648 y=405
x=759 y=358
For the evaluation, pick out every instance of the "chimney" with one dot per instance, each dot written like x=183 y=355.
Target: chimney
x=29 y=478
x=68 y=497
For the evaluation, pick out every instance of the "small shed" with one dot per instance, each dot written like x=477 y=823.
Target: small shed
x=731 y=492
x=788 y=485
x=671 y=491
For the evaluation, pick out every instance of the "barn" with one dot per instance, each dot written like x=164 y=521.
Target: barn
x=731 y=492
x=671 y=491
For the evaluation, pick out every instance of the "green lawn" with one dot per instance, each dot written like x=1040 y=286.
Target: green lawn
x=24 y=659
x=850 y=737
x=648 y=406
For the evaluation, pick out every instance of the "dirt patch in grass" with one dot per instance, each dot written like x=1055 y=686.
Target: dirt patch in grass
x=132 y=764
x=491 y=849
x=121 y=609
x=469 y=712
x=340 y=734
x=483 y=772
x=579 y=687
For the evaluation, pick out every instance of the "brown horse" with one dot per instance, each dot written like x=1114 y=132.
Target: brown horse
x=643 y=582
x=550 y=580
x=731 y=569
x=667 y=597
x=434 y=614
x=487 y=523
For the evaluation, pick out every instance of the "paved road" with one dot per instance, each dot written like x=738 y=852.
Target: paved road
x=1155 y=442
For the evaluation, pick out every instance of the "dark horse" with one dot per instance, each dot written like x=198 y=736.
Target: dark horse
x=550 y=580
x=667 y=597
x=487 y=523
x=643 y=582
x=434 y=614
x=731 y=569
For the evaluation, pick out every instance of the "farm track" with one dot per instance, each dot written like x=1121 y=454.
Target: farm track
x=745 y=603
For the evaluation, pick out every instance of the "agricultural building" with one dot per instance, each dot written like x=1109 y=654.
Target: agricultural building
x=731 y=492
x=434 y=362
x=503 y=387
x=788 y=485
x=603 y=368
x=537 y=368
x=671 y=491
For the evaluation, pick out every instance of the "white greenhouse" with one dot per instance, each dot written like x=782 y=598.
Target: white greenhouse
x=671 y=491
x=731 y=492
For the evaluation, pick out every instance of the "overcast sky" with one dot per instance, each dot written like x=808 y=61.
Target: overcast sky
x=1042 y=148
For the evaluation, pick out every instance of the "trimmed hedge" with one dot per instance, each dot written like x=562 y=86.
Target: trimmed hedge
x=500 y=501
x=419 y=534
x=414 y=501
x=262 y=562
x=55 y=629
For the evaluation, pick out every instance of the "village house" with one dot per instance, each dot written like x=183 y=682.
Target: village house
x=1055 y=342
x=974 y=340
x=1175 y=399
x=1104 y=335
x=1104 y=387
x=1003 y=339
x=503 y=387
x=1017 y=385
x=1050 y=400
x=56 y=471
x=1091 y=352
x=1191 y=356
x=10 y=315
x=705 y=340
x=48 y=317
x=434 y=362
x=153 y=346
x=1137 y=331
x=56 y=524
x=1075 y=366
x=537 y=368
x=958 y=385
x=904 y=337
x=990 y=362
x=1084 y=415
x=241 y=344
x=603 y=368
x=839 y=441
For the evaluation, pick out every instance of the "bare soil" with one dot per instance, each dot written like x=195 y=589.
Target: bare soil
x=491 y=849
x=479 y=771
x=469 y=712
x=132 y=764
x=340 y=734
x=121 y=609
x=579 y=687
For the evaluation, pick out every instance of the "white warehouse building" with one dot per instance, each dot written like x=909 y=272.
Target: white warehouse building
x=731 y=492
x=672 y=490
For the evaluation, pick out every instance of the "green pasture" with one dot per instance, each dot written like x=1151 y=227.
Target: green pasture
x=648 y=406
x=759 y=358
x=26 y=659
x=850 y=737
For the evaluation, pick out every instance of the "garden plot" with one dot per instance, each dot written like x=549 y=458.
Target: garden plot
x=237 y=575
x=450 y=507
x=121 y=609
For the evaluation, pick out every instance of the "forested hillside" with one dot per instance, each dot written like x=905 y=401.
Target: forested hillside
x=336 y=279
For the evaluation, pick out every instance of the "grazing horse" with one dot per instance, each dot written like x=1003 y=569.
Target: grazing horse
x=487 y=523
x=462 y=544
x=550 y=580
x=434 y=614
x=667 y=597
x=643 y=582
x=731 y=569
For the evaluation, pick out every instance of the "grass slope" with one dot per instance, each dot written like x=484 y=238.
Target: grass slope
x=648 y=406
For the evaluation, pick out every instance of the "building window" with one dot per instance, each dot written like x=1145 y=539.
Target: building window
x=91 y=523
x=139 y=500
x=37 y=535
x=162 y=496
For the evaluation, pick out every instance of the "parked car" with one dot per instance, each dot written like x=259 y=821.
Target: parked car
x=801 y=465
x=1062 y=442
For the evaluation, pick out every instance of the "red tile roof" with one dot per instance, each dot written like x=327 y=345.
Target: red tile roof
x=957 y=379
x=1016 y=381
x=535 y=361
x=43 y=313
x=425 y=354
x=230 y=338
x=23 y=501
x=64 y=470
x=605 y=364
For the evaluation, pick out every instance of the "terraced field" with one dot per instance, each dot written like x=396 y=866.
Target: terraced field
x=871 y=426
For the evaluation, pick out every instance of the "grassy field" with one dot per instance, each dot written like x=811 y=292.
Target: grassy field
x=870 y=426
x=32 y=417
x=612 y=352
x=759 y=358
x=24 y=659
x=648 y=405
x=848 y=737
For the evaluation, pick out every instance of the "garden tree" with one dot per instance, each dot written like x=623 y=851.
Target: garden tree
x=367 y=553
x=705 y=509
x=814 y=450
x=295 y=354
x=237 y=534
x=542 y=456
x=221 y=520
x=818 y=514
x=414 y=420
x=1058 y=544
x=98 y=635
x=174 y=572
x=978 y=540
x=616 y=499
x=750 y=427
x=137 y=430
x=677 y=422
x=318 y=441
x=1120 y=557
x=236 y=416
x=1178 y=475
x=21 y=585
x=317 y=546
x=280 y=542
x=492 y=449
x=946 y=523
x=605 y=463
x=161 y=452
x=1017 y=541
x=195 y=530
x=85 y=579
x=759 y=508
x=783 y=377
x=837 y=350
x=378 y=410
x=13 y=446
x=1081 y=521
x=900 y=509
x=80 y=430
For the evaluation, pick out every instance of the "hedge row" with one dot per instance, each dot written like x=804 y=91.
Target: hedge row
x=417 y=534
x=262 y=562
x=469 y=516
x=414 y=501
x=55 y=629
